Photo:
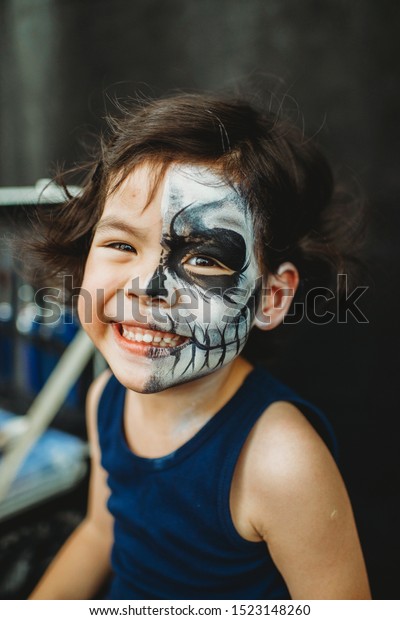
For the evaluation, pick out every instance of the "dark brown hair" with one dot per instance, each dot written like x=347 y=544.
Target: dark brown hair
x=298 y=214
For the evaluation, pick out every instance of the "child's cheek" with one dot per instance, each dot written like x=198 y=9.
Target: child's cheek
x=85 y=304
x=92 y=294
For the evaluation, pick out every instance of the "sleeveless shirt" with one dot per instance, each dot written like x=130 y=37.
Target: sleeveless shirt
x=174 y=537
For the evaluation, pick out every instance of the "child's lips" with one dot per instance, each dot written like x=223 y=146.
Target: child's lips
x=136 y=334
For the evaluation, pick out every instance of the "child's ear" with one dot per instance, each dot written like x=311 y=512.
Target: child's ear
x=277 y=297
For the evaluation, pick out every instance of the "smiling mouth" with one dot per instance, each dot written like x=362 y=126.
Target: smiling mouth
x=150 y=337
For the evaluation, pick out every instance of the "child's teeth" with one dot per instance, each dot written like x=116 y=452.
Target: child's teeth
x=128 y=334
x=161 y=341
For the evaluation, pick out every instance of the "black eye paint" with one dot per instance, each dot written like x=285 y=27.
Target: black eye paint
x=189 y=236
x=225 y=246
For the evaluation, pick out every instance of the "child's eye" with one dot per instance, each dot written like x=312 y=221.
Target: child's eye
x=205 y=263
x=201 y=261
x=123 y=247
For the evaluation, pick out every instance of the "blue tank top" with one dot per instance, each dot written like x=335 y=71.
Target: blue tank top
x=174 y=537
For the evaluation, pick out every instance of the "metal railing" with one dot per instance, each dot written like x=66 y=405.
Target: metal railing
x=18 y=436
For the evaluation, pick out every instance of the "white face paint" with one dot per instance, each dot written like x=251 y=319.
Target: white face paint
x=208 y=273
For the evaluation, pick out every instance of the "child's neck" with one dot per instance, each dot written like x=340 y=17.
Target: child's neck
x=157 y=424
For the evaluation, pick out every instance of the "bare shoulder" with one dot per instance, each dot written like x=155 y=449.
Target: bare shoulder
x=288 y=463
x=282 y=458
x=285 y=446
x=96 y=388
x=97 y=513
x=92 y=400
x=298 y=504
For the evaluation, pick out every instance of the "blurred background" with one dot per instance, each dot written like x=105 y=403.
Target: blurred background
x=336 y=65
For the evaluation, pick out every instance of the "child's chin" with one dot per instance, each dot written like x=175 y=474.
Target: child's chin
x=153 y=383
x=140 y=381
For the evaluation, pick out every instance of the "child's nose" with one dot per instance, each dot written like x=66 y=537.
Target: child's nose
x=156 y=286
x=153 y=288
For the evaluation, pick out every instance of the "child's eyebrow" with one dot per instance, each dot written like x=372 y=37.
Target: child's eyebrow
x=111 y=223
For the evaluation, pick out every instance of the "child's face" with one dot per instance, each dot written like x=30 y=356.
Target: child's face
x=175 y=280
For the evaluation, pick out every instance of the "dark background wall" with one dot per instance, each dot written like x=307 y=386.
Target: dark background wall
x=338 y=60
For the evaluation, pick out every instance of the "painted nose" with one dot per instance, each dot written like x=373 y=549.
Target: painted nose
x=156 y=286
x=155 y=291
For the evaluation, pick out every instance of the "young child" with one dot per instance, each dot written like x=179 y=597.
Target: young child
x=210 y=479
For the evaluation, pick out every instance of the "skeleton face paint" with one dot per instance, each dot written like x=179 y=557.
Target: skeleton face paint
x=161 y=326
x=208 y=272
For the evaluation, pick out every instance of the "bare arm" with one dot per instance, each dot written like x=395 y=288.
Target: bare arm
x=81 y=566
x=301 y=509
